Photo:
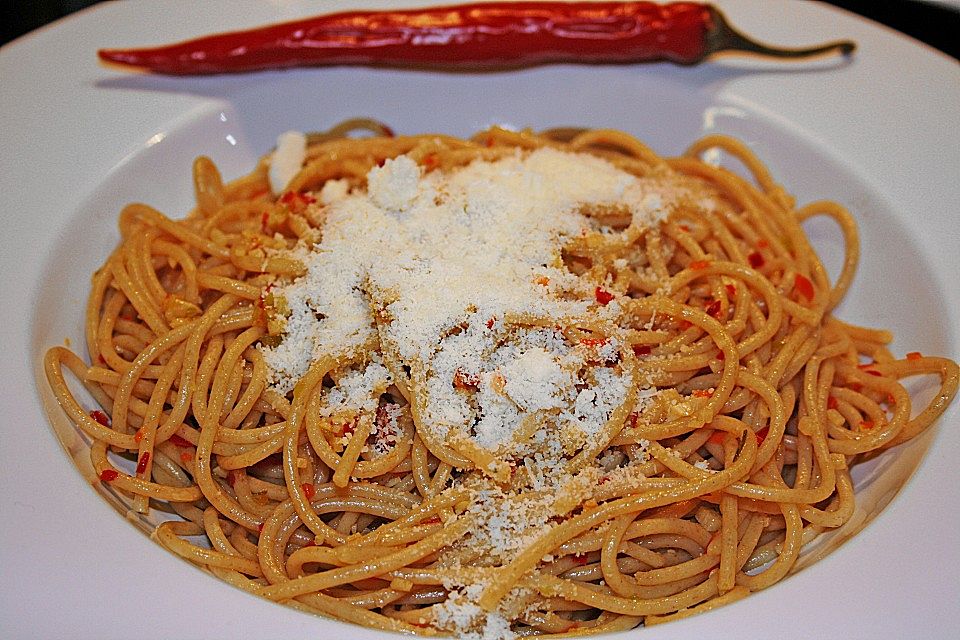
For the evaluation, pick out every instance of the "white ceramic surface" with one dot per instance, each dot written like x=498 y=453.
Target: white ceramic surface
x=77 y=141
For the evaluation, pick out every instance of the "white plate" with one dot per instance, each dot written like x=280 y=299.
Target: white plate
x=878 y=133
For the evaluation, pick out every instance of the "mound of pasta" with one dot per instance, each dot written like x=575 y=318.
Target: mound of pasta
x=519 y=384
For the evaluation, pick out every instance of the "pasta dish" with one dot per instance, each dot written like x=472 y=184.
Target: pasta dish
x=519 y=384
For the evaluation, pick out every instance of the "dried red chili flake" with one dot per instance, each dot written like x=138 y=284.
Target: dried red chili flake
x=867 y=425
x=803 y=286
x=143 y=462
x=891 y=400
x=490 y=323
x=914 y=355
x=721 y=355
x=465 y=380
x=702 y=393
x=633 y=418
x=347 y=428
x=593 y=342
x=580 y=559
x=697 y=265
x=180 y=441
x=731 y=290
x=108 y=475
x=308 y=490
x=717 y=437
x=763 y=243
x=185 y=457
x=756 y=260
x=297 y=199
x=642 y=349
x=713 y=309
x=138 y=436
x=603 y=296
x=100 y=417
x=761 y=435
x=832 y=403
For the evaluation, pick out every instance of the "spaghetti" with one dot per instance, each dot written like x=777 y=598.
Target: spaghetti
x=521 y=384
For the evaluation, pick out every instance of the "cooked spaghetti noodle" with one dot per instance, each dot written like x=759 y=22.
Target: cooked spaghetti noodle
x=521 y=384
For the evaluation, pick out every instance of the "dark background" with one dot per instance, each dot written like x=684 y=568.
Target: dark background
x=937 y=25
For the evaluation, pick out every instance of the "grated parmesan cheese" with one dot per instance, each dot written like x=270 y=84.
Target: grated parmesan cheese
x=444 y=260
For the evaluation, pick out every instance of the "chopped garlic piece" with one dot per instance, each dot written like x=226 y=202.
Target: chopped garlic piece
x=287 y=159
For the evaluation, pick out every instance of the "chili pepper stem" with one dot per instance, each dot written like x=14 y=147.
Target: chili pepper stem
x=723 y=37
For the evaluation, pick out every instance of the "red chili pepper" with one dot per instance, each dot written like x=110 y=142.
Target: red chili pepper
x=603 y=296
x=492 y=34
x=713 y=309
x=108 y=475
x=465 y=380
x=642 y=349
x=914 y=355
x=803 y=286
x=761 y=435
x=180 y=441
x=143 y=462
x=593 y=342
x=296 y=201
x=100 y=417
x=731 y=290
x=832 y=403
x=308 y=490
x=755 y=259
x=697 y=265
